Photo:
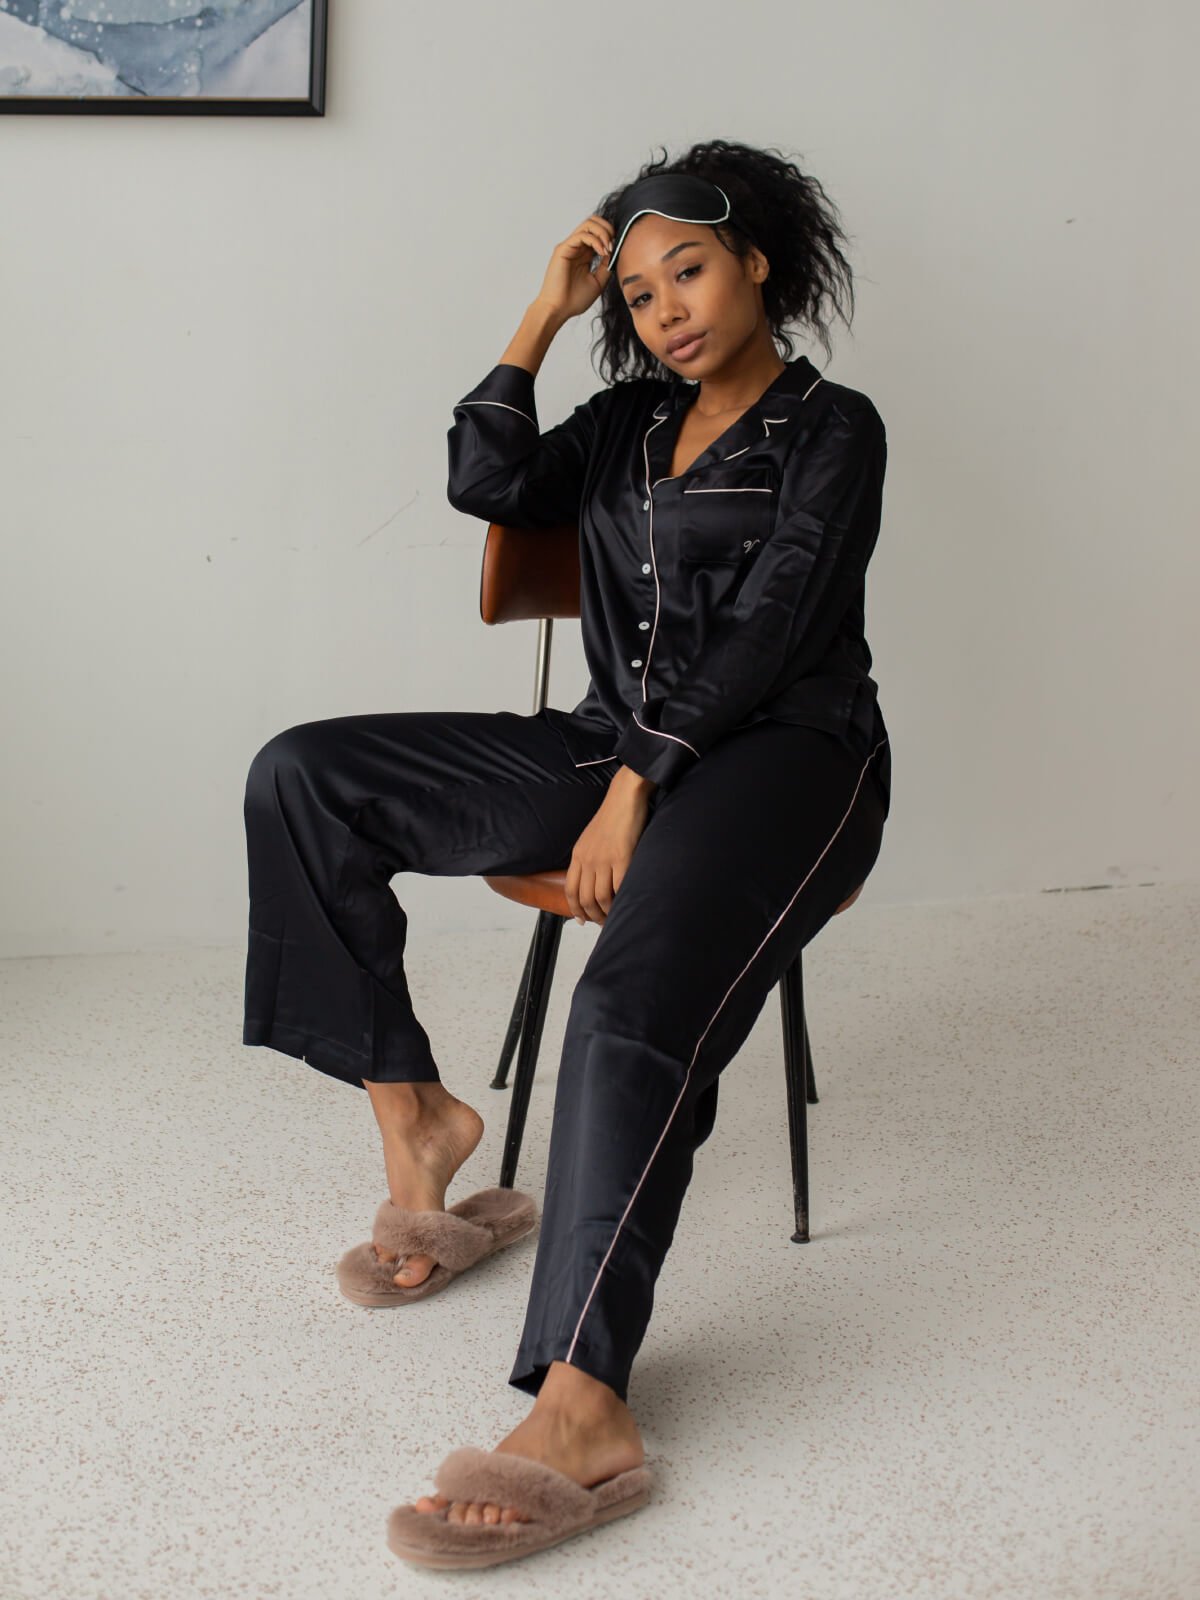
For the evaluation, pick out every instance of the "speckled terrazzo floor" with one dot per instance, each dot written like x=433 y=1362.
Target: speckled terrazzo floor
x=980 y=1379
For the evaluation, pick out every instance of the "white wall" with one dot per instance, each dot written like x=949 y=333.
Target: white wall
x=231 y=347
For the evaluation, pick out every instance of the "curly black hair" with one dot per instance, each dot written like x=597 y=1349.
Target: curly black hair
x=793 y=223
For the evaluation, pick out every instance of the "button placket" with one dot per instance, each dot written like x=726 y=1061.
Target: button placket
x=660 y=416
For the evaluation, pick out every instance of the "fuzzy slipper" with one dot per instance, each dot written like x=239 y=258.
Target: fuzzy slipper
x=559 y=1506
x=463 y=1234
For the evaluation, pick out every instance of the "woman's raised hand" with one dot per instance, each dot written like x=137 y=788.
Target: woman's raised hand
x=570 y=286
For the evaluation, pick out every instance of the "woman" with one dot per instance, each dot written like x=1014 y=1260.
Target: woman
x=717 y=794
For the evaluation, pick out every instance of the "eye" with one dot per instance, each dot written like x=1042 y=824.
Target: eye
x=633 y=304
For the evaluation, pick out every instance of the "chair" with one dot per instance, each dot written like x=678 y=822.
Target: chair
x=531 y=573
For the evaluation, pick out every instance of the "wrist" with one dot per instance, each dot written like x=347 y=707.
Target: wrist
x=546 y=316
x=626 y=778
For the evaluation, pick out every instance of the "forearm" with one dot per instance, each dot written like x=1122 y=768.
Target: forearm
x=534 y=337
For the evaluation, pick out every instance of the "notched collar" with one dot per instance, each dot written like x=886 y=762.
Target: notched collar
x=772 y=411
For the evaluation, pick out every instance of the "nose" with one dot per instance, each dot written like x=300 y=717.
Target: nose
x=670 y=308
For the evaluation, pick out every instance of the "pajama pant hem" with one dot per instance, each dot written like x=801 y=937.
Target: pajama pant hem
x=529 y=1372
x=332 y=1058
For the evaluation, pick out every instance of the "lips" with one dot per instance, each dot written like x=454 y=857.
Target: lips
x=684 y=346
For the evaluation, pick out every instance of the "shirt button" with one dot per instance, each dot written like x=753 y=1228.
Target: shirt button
x=635 y=663
x=645 y=566
x=643 y=624
x=645 y=505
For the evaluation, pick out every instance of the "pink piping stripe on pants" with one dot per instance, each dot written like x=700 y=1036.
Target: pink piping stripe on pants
x=704 y=1035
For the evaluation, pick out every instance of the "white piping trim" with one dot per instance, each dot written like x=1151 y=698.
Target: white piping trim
x=731 y=489
x=596 y=762
x=766 y=435
x=499 y=403
x=654 y=562
x=700 y=1041
x=663 y=735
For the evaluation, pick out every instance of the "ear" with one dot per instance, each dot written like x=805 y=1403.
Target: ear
x=760 y=267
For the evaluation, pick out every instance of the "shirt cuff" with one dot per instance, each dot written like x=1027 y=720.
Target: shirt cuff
x=661 y=757
x=507 y=385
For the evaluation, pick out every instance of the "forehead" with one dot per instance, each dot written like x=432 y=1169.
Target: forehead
x=650 y=236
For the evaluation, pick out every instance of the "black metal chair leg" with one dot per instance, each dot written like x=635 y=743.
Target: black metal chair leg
x=500 y=1081
x=542 y=957
x=797 y=1068
x=810 y=1080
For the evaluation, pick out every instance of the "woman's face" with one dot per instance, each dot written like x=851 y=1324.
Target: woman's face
x=678 y=280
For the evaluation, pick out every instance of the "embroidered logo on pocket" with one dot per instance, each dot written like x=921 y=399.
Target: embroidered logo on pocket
x=717 y=519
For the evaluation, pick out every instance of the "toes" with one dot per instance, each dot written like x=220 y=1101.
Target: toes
x=475 y=1511
x=431 y=1502
x=414 y=1271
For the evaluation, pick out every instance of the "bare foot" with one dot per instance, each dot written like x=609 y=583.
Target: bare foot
x=587 y=1431
x=426 y=1138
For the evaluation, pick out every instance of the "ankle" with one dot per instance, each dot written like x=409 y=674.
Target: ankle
x=399 y=1105
x=571 y=1395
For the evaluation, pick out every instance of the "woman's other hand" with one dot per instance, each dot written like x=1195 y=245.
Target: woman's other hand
x=570 y=286
x=604 y=849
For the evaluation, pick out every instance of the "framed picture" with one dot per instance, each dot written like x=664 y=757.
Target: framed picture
x=167 y=57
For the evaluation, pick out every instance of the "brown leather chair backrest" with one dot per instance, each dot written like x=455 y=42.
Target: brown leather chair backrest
x=529 y=573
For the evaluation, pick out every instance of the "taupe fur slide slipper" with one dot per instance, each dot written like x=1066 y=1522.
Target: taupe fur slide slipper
x=462 y=1235
x=559 y=1507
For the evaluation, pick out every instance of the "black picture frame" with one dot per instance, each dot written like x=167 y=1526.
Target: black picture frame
x=310 y=105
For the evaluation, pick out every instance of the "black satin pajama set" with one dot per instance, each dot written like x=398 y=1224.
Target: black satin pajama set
x=722 y=614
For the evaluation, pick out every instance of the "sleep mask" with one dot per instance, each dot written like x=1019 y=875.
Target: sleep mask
x=678 y=196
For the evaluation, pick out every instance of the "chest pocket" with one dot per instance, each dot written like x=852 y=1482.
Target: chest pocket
x=727 y=516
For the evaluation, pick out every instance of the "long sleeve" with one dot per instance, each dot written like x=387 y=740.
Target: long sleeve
x=787 y=611
x=503 y=468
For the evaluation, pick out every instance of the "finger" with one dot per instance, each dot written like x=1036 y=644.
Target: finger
x=571 y=890
x=598 y=241
x=601 y=224
x=597 y=260
x=587 y=894
x=587 y=233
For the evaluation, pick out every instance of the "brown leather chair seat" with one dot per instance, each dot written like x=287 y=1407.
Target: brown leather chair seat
x=545 y=891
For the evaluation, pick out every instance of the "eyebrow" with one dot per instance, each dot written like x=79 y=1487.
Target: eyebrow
x=673 y=251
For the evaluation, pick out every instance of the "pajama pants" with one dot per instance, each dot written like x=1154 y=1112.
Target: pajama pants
x=741 y=862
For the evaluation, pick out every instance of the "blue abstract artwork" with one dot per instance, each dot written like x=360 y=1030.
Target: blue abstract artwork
x=240 y=54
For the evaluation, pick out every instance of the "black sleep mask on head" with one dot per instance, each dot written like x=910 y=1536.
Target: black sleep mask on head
x=679 y=196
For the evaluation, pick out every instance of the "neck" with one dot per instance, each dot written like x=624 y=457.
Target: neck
x=740 y=382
